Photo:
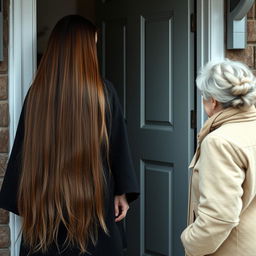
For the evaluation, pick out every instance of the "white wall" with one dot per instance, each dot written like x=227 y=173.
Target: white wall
x=50 y=11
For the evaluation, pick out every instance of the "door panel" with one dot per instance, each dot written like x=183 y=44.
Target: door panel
x=158 y=234
x=147 y=51
x=156 y=65
x=156 y=52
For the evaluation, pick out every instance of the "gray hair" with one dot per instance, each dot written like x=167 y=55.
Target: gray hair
x=231 y=83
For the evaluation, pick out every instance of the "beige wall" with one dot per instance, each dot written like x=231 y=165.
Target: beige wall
x=49 y=12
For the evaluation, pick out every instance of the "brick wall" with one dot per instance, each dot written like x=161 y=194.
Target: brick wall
x=4 y=133
x=247 y=55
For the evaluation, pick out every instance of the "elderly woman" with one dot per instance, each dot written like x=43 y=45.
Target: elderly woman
x=222 y=212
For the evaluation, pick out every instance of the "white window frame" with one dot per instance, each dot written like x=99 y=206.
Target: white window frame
x=22 y=62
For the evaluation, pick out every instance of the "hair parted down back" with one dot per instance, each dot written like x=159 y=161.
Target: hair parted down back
x=231 y=83
x=62 y=180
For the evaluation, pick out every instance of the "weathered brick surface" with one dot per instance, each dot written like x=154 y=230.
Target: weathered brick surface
x=3 y=163
x=254 y=57
x=4 y=64
x=4 y=236
x=251 y=13
x=4 y=252
x=4 y=131
x=251 y=31
x=248 y=55
x=4 y=140
x=4 y=217
x=245 y=55
x=4 y=114
x=3 y=87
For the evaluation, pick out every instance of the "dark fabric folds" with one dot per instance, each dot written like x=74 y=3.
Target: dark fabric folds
x=122 y=180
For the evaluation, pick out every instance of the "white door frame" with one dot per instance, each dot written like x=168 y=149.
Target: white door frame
x=22 y=66
x=210 y=40
x=22 y=61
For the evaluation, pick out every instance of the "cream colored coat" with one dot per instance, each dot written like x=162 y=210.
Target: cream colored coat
x=222 y=211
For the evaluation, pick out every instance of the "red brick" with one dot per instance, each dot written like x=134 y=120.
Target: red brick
x=4 y=236
x=251 y=31
x=3 y=87
x=4 y=133
x=246 y=55
x=4 y=217
x=254 y=58
x=4 y=63
x=3 y=164
x=4 y=114
x=4 y=140
x=251 y=13
x=4 y=252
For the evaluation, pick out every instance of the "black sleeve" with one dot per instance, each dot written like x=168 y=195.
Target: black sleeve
x=120 y=155
x=9 y=190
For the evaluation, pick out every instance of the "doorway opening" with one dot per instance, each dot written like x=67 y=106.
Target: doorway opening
x=210 y=45
x=49 y=12
x=152 y=68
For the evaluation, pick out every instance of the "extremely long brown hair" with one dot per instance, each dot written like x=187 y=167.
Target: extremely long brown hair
x=62 y=180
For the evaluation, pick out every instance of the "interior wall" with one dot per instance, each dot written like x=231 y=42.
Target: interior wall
x=86 y=8
x=49 y=12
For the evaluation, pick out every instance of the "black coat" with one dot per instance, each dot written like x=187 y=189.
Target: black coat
x=122 y=180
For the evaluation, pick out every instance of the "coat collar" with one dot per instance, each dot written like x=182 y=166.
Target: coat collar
x=225 y=116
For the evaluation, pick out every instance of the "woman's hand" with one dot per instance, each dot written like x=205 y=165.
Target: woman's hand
x=121 y=207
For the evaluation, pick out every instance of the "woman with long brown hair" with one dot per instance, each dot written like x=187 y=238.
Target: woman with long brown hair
x=70 y=175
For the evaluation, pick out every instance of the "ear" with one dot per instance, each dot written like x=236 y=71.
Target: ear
x=215 y=104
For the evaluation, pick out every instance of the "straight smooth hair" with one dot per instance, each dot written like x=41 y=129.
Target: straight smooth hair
x=62 y=179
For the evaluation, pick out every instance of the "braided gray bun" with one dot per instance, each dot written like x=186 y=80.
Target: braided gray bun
x=229 y=82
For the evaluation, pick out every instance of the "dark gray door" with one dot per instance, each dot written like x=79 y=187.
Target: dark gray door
x=147 y=52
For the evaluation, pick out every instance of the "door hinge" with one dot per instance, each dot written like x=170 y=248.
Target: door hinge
x=193 y=22
x=193 y=119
